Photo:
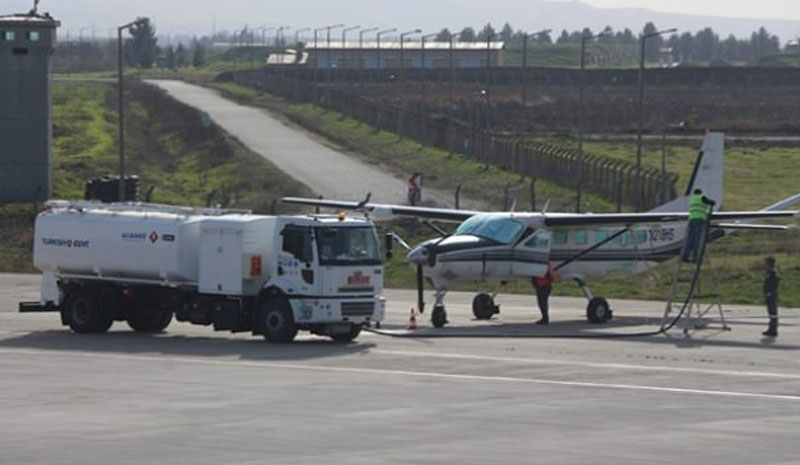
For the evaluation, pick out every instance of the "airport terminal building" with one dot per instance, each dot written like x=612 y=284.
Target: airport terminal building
x=372 y=55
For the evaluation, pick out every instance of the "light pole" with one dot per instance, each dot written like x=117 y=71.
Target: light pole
x=584 y=39
x=424 y=41
x=402 y=51
x=640 y=115
x=453 y=37
x=361 y=51
x=120 y=104
x=489 y=37
x=316 y=61
x=525 y=38
x=681 y=125
x=344 y=41
x=378 y=52
x=328 y=30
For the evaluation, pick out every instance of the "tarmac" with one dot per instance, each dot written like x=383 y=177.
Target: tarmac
x=194 y=396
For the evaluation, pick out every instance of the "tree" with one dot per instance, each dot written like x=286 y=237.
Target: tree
x=467 y=35
x=652 y=44
x=443 y=35
x=144 y=43
x=563 y=38
x=507 y=33
x=169 y=58
x=199 y=54
x=486 y=33
x=180 y=56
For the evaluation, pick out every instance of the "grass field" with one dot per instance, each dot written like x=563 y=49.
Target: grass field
x=756 y=176
x=182 y=160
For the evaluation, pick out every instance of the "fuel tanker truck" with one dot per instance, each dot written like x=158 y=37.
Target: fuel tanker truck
x=147 y=264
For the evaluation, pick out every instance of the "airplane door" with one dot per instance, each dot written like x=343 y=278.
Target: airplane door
x=530 y=257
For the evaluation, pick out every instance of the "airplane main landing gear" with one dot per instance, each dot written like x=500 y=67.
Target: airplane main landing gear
x=598 y=310
x=483 y=306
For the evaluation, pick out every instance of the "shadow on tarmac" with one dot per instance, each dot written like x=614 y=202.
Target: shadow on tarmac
x=129 y=342
x=628 y=328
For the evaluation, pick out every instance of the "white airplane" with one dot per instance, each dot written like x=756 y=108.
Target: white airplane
x=490 y=248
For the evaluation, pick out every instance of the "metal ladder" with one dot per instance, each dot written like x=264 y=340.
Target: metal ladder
x=693 y=294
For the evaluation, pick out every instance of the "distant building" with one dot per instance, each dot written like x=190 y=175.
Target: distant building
x=26 y=136
x=370 y=55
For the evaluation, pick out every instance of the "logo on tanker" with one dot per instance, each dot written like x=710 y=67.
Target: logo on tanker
x=357 y=278
x=153 y=237
x=68 y=243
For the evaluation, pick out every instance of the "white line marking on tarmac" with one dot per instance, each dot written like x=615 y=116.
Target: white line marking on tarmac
x=622 y=366
x=420 y=374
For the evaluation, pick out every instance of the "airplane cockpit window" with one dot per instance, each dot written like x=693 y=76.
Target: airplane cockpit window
x=495 y=228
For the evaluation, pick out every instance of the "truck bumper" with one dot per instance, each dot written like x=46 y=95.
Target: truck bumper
x=37 y=307
x=339 y=310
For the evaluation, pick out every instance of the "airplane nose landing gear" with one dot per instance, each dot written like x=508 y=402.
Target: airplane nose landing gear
x=483 y=306
x=598 y=310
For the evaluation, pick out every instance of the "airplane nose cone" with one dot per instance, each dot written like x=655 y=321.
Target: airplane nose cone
x=418 y=256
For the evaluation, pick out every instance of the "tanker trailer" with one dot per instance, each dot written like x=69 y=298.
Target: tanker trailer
x=146 y=264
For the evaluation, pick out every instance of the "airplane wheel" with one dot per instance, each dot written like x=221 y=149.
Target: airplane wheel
x=439 y=316
x=598 y=310
x=483 y=306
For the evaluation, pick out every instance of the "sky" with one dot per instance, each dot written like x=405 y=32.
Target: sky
x=200 y=17
x=774 y=9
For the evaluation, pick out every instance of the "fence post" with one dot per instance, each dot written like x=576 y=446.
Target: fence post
x=458 y=197
x=533 y=193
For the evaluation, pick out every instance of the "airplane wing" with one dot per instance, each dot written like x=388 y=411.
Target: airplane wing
x=382 y=211
x=574 y=219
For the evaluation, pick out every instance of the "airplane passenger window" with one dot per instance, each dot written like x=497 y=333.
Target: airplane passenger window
x=623 y=239
x=641 y=236
x=581 y=237
x=560 y=236
x=600 y=235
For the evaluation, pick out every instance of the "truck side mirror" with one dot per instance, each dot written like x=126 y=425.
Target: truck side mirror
x=389 y=240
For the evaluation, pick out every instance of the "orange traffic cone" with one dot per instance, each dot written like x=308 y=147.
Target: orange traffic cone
x=412 y=322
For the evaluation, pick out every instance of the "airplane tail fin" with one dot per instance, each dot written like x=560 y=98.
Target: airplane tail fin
x=707 y=174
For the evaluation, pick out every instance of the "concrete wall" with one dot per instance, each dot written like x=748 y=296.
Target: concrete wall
x=25 y=109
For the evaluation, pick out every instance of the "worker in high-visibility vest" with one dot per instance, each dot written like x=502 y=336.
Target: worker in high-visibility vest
x=544 y=285
x=699 y=208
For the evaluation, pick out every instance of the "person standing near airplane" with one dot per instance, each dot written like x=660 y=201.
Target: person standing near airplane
x=544 y=285
x=772 y=280
x=699 y=209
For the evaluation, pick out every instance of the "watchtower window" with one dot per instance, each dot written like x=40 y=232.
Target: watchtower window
x=34 y=36
x=7 y=36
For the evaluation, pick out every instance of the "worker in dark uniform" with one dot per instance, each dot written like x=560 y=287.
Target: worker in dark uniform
x=544 y=285
x=772 y=280
x=699 y=209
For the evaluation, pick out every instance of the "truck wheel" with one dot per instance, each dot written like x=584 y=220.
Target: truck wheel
x=598 y=310
x=277 y=321
x=84 y=314
x=348 y=336
x=149 y=322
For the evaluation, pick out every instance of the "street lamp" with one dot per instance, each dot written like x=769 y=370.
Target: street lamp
x=402 y=51
x=120 y=104
x=328 y=30
x=361 y=51
x=316 y=60
x=453 y=37
x=679 y=126
x=525 y=38
x=378 y=52
x=344 y=40
x=584 y=39
x=640 y=115
x=424 y=41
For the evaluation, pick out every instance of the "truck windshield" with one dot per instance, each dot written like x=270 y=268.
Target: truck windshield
x=497 y=228
x=348 y=246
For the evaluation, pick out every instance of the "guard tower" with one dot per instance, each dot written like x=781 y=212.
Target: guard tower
x=26 y=136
